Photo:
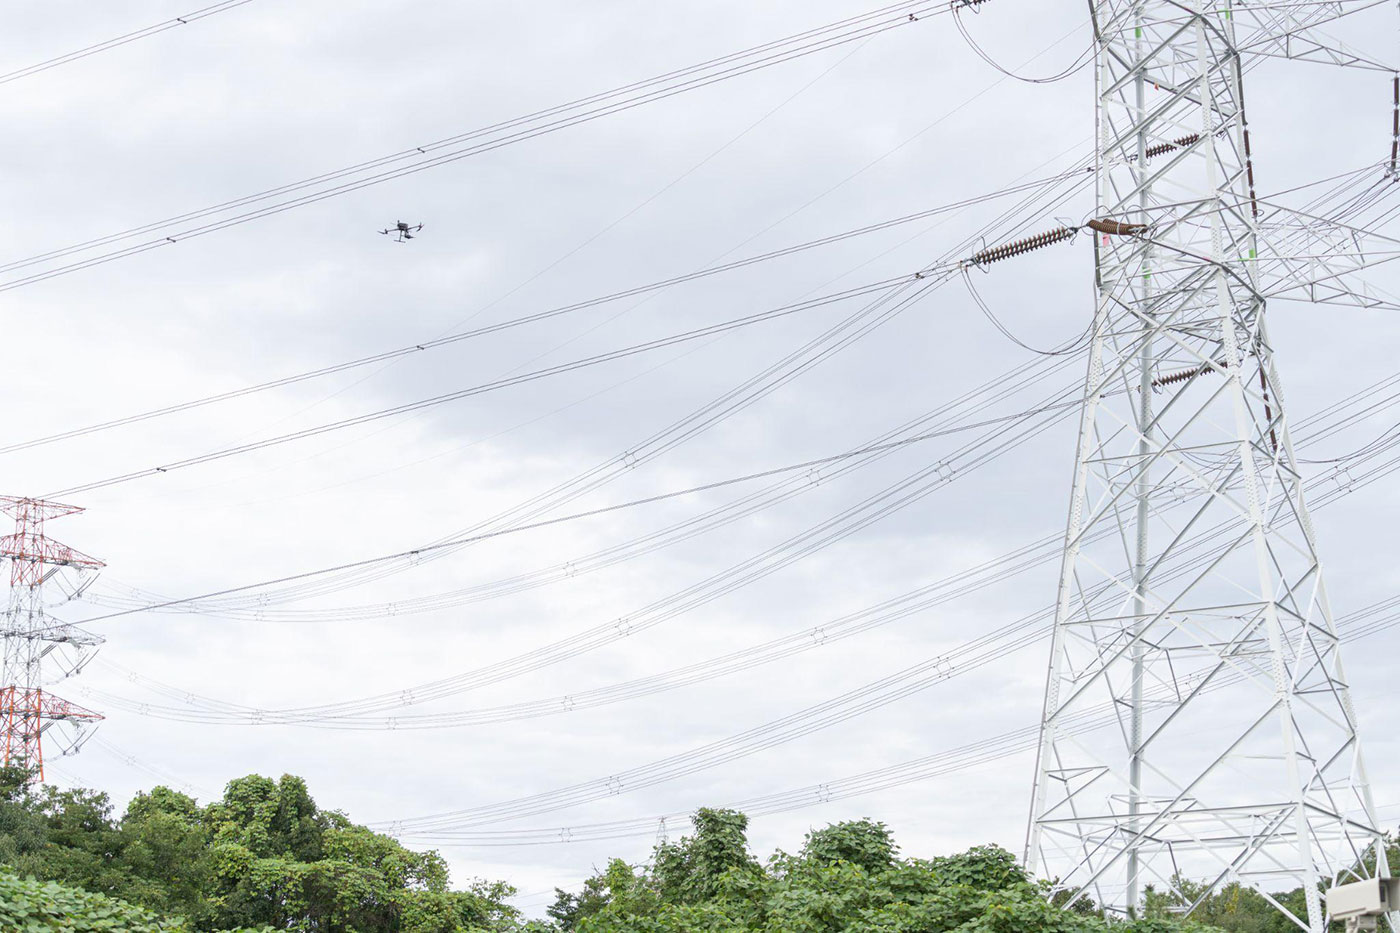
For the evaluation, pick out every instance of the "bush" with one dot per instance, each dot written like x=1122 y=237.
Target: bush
x=46 y=907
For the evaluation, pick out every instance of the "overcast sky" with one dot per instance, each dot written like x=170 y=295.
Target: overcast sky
x=266 y=94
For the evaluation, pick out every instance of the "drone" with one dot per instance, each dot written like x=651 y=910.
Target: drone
x=403 y=231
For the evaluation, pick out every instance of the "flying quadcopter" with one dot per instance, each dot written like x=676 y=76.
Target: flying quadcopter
x=404 y=231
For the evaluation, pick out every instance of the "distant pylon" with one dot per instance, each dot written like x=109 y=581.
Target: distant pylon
x=31 y=636
x=1197 y=724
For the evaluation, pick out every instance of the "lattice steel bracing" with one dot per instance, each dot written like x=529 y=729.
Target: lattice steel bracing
x=1197 y=720
x=38 y=649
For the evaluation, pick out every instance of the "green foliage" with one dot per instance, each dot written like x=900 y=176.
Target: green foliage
x=985 y=868
x=690 y=871
x=1234 y=908
x=847 y=877
x=1238 y=909
x=569 y=909
x=618 y=888
x=860 y=842
x=29 y=906
x=45 y=907
x=263 y=856
x=21 y=827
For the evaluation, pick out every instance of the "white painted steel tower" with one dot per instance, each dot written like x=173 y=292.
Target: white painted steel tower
x=1198 y=723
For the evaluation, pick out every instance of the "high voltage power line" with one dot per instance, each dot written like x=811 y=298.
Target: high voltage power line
x=364 y=361
x=995 y=441
x=451 y=149
x=839 y=709
x=1201 y=464
x=529 y=126
x=106 y=45
x=938 y=764
x=886 y=289
x=813 y=352
x=477 y=332
x=946 y=418
x=880 y=693
x=615 y=786
x=996 y=570
x=627 y=461
x=919 y=283
x=919 y=484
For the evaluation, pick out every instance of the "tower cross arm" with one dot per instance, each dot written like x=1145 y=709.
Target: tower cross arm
x=37 y=549
x=58 y=709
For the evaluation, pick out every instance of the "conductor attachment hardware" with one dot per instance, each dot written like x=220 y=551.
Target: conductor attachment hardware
x=1017 y=247
x=1163 y=148
x=1185 y=374
x=1116 y=227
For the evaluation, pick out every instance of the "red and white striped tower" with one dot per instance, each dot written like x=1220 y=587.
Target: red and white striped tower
x=30 y=635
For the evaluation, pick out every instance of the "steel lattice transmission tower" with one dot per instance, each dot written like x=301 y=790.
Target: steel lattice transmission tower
x=1197 y=722
x=34 y=640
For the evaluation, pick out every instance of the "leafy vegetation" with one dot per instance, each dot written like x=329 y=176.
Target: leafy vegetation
x=265 y=857
x=846 y=877
x=45 y=907
x=1240 y=909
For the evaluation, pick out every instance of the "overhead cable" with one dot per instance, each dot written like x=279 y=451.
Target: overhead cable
x=879 y=693
x=509 y=382
x=964 y=583
x=906 y=491
x=939 y=470
x=451 y=149
x=1080 y=60
x=164 y=25
x=486 y=330
x=1354 y=627
x=789 y=367
x=948 y=417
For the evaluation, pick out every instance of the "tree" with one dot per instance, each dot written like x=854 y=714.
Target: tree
x=22 y=828
x=690 y=871
x=984 y=868
x=860 y=842
x=83 y=845
x=847 y=877
x=164 y=849
x=31 y=906
x=569 y=909
x=1233 y=907
x=278 y=859
x=263 y=855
